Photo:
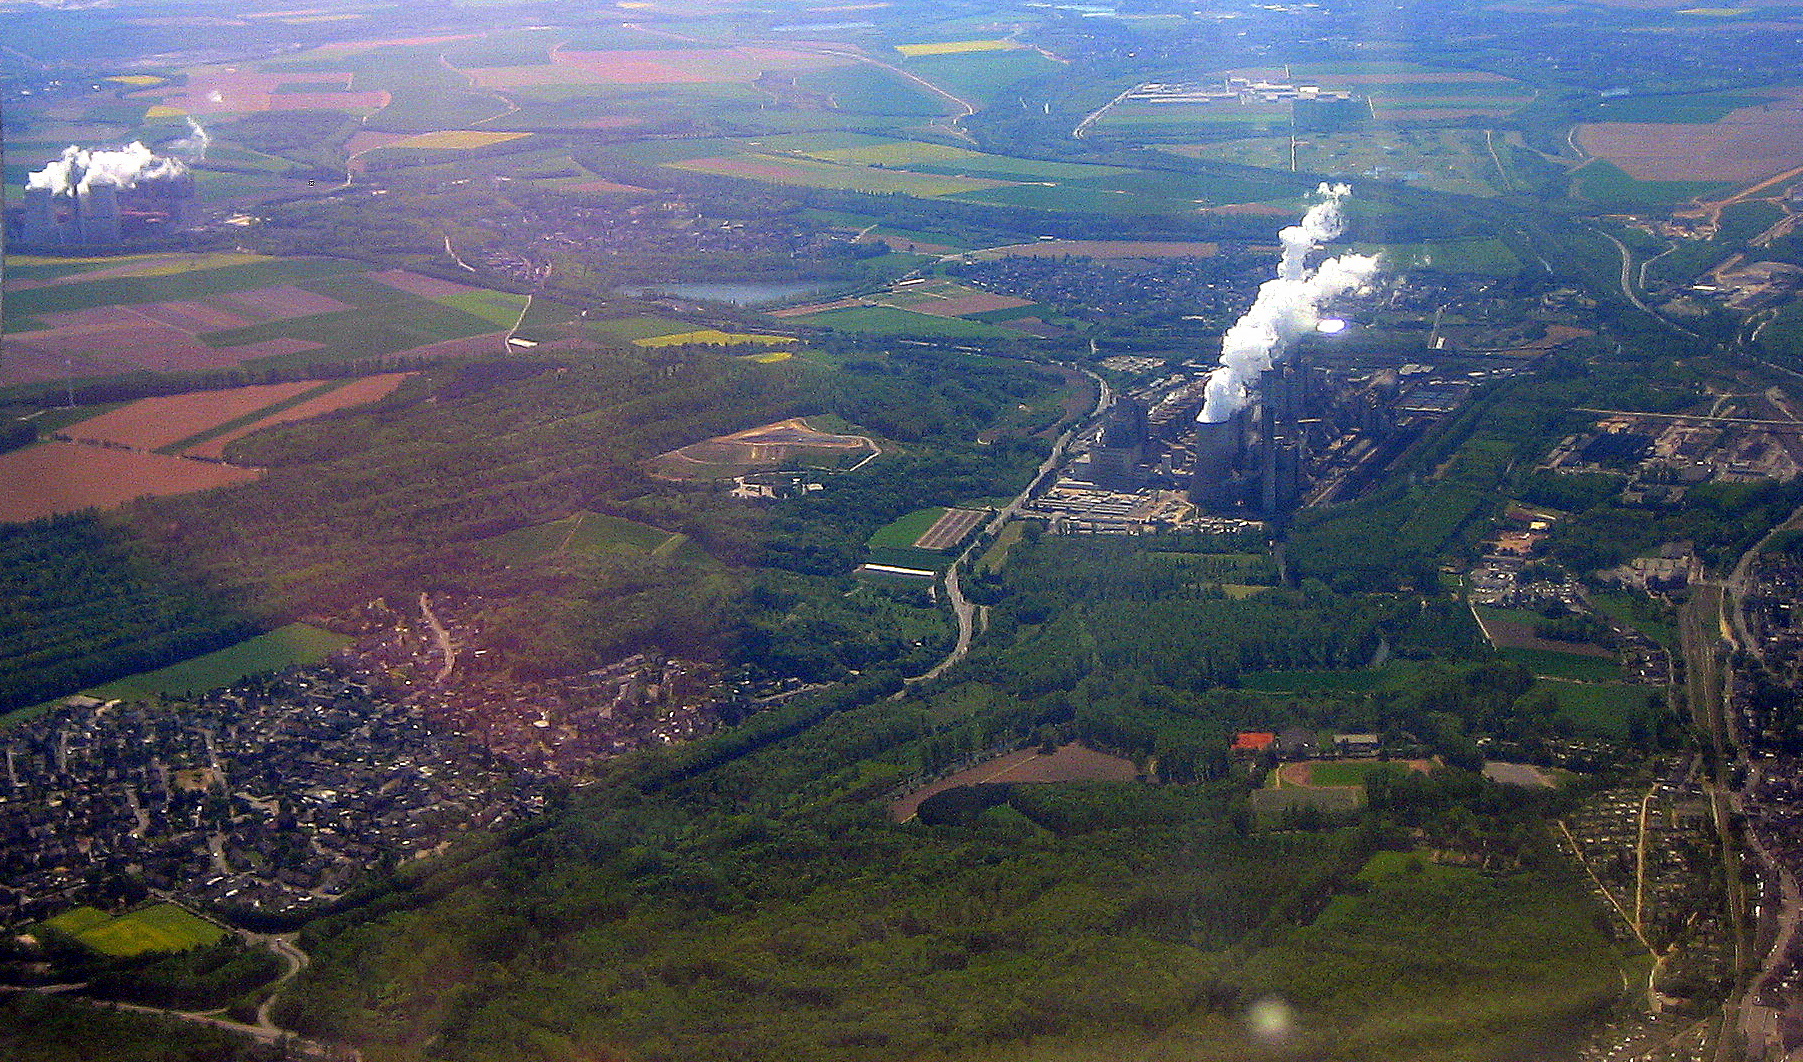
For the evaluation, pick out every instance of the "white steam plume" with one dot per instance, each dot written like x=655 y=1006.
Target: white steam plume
x=79 y=169
x=1285 y=307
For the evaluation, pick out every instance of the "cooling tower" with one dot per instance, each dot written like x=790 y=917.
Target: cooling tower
x=40 y=217
x=100 y=214
x=1217 y=454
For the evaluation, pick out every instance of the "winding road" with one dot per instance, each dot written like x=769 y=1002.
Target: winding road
x=962 y=607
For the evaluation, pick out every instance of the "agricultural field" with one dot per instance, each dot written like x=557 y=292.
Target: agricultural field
x=1475 y=254
x=161 y=927
x=715 y=337
x=808 y=173
x=189 y=314
x=889 y=321
x=66 y=477
x=1600 y=707
x=296 y=643
x=1444 y=160
x=201 y=423
x=914 y=51
x=1751 y=141
x=456 y=140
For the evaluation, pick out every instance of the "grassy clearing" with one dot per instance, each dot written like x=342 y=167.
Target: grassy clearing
x=632 y=329
x=1549 y=664
x=1607 y=709
x=902 y=533
x=887 y=321
x=1604 y=182
x=995 y=558
x=987 y=76
x=588 y=532
x=296 y=643
x=157 y=928
x=1476 y=254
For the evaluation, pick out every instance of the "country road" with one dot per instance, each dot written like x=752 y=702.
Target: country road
x=962 y=607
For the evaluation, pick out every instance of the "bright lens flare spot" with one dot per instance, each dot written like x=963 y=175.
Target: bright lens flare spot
x=1331 y=326
x=1270 y=1020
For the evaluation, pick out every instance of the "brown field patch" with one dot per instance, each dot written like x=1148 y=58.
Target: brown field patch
x=950 y=528
x=958 y=306
x=356 y=393
x=1071 y=763
x=191 y=316
x=818 y=307
x=363 y=140
x=152 y=422
x=279 y=303
x=1508 y=634
x=1745 y=145
x=422 y=285
x=221 y=89
x=63 y=477
x=486 y=343
x=1112 y=248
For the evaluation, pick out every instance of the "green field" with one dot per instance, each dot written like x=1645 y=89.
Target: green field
x=1476 y=254
x=587 y=532
x=382 y=320
x=1355 y=772
x=902 y=533
x=1549 y=664
x=982 y=76
x=1604 y=182
x=159 y=927
x=887 y=321
x=296 y=643
x=1601 y=708
x=1700 y=108
x=631 y=329
x=496 y=307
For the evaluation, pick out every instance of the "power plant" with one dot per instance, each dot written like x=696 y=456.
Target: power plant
x=102 y=214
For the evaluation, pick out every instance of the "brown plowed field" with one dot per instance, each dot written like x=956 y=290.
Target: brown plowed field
x=964 y=304
x=223 y=89
x=1507 y=634
x=152 y=422
x=60 y=477
x=419 y=284
x=355 y=393
x=191 y=316
x=1071 y=763
x=1744 y=145
x=279 y=302
x=950 y=529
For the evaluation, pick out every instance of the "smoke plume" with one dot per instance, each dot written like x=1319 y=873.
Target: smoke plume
x=78 y=169
x=1285 y=307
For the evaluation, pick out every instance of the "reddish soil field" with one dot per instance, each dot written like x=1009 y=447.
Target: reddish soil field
x=1744 y=145
x=1507 y=634
x=964 y=304
x=950 y=529
x=152 y=422
x=419 y=284
x=191 y=316
x=1072 y=763
x=133 y=341
x=279 y=303
x=220 y=89
x=61 y=477
x=818 y=307
x=355 y=393
x=364 y=140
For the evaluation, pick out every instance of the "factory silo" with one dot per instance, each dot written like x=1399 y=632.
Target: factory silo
x=40 y=217
x=1218 y=445
x=100 y=213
